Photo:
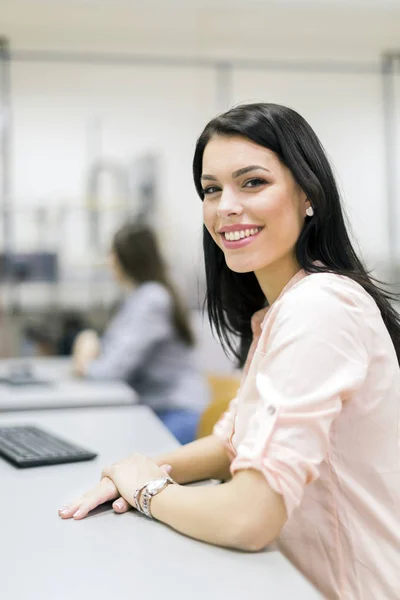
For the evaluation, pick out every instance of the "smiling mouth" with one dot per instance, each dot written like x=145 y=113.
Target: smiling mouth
x=235 y=236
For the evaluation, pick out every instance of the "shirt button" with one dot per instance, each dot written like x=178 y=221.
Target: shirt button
x=271 y=410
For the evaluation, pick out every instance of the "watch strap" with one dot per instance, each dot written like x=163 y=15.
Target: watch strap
x=143 y=495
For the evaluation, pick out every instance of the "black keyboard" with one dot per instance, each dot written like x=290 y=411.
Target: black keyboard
x=29 y=446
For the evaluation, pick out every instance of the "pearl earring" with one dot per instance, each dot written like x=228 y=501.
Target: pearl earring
x=310 y=211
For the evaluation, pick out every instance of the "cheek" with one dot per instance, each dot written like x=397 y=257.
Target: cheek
x=283 y=222
x=285 y=211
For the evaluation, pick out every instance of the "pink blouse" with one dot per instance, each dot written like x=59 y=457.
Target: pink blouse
x=317 y=413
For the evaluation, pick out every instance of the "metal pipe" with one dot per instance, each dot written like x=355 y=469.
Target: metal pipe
x=389 y=61
x=7 y=299
x=224 y=85
x=120 y=177
x=101 y=58
x=5 y=140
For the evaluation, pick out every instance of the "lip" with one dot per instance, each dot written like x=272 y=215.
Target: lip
x=236 y=244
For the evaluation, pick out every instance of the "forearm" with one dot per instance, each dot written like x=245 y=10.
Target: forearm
x=203 y=459
x=107 y=367
x=85 y=350
x=233 y=514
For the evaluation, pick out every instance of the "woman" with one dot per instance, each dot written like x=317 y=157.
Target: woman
x=148 y=343
x=311 y=441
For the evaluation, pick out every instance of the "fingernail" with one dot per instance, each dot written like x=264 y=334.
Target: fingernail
x=77 y=514
x=118 y=505
x=62 y=508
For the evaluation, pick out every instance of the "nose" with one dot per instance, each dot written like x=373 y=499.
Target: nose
x=229 y=204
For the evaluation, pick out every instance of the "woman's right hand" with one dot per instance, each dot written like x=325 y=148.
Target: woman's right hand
x=105 y=491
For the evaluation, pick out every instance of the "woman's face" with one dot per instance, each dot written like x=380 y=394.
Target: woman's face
x=253 y=208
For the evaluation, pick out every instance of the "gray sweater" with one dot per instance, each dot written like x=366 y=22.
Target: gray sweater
x=140 y=346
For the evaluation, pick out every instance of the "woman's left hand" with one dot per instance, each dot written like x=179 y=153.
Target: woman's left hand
x=131 y=473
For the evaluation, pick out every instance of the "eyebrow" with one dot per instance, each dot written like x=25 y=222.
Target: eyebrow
x=237 y=173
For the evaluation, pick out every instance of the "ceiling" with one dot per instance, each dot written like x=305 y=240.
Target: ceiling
x=378 y=5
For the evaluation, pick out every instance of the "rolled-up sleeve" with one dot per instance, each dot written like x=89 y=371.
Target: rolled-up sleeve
x=223 y=429
x=314 y=358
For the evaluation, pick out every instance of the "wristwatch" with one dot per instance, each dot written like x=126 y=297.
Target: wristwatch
x=145 y=493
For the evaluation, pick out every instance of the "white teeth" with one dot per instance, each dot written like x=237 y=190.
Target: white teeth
x=233 y=236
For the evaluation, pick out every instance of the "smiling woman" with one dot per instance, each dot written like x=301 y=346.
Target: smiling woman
x=309 y=447
x=261 y=199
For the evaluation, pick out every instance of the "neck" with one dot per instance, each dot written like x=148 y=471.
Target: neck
x=275 y=277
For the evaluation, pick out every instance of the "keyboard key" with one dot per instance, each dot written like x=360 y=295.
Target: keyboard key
x=30 y=446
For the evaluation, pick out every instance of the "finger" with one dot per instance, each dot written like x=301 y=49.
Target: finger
x=107 y=473
x=121 y=506
x=166 y=468
x=66 y=512
x=103 y=492
x=85 y=508
x=107 y=492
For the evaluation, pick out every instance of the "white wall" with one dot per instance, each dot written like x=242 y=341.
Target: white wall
x=164 y=108
x=358 y=29
x=138 y=110
x=346 y=112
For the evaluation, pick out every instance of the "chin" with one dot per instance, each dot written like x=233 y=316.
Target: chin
x=241 y=266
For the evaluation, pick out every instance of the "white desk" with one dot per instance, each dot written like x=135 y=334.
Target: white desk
x=65 y=391
x=124 y=557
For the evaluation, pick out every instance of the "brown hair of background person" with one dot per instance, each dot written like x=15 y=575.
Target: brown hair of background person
x=137 y=250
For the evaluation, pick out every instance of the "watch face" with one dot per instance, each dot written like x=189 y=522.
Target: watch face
x=156 y=485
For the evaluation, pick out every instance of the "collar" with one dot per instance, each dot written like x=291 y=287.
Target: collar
x=258 y=318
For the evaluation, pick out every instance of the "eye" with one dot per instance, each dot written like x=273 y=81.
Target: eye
x=254 y=182
x=211 y=189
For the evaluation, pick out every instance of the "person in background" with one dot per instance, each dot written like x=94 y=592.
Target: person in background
x=54 y=334
x=310 y=448
x=71 y=325
x=39 y=336
x=149 y=341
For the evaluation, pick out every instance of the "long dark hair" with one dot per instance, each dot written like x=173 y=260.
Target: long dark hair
x=137 y=251
x=232 y=298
